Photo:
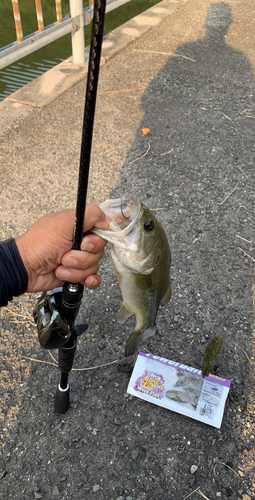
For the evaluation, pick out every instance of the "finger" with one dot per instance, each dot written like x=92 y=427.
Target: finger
x=75 y=275
x=103 y=224
x=94 y=216
x=63 y=222
x=92 y=243
x=79 y=260
x=92 y=281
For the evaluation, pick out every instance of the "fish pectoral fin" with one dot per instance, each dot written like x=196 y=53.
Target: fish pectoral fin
x=123 y=313
x=136 y=338
x=167 y=295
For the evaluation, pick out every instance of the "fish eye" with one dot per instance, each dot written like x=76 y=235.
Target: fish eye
x=149 y=225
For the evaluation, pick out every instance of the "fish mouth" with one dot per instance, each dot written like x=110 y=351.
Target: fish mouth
x=124 y=213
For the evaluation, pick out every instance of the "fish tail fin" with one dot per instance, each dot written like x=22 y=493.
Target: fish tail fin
x=136 y=338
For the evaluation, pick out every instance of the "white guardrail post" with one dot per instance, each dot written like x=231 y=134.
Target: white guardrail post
x=78 y=42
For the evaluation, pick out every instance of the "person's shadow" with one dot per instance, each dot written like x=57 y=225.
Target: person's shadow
x=198 y=106
x=197 y=167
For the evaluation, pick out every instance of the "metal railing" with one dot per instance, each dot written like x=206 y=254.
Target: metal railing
x=73 y=23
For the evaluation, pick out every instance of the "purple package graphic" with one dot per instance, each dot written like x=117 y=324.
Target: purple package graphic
x=179 y=388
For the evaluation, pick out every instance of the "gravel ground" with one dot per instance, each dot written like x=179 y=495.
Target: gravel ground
x=195 y=169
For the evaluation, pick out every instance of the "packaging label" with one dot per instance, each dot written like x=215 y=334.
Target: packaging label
x=179 y=388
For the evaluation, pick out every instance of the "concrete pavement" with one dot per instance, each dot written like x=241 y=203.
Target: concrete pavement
x=49 y=86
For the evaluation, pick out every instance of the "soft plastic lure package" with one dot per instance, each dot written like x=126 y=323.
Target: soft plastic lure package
x=179 y=388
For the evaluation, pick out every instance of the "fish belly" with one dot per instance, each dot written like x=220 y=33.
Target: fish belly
x=138 y=298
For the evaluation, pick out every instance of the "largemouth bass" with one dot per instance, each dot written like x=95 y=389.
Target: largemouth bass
x=141 y=259
x=187 y=396
x=189 y=389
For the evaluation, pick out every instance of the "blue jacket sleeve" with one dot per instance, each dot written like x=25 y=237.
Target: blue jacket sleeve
x=13 y=274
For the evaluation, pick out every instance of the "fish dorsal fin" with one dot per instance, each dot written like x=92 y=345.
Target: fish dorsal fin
x=167 y=295
x=123 y=313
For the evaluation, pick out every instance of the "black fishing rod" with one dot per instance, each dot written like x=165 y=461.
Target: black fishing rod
x=56 y=310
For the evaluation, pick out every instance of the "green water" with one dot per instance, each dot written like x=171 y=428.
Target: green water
x=20 y=73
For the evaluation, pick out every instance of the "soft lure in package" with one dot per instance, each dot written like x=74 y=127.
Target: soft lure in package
x=179 y=388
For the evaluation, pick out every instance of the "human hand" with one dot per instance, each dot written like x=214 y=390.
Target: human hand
x=46 y=250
